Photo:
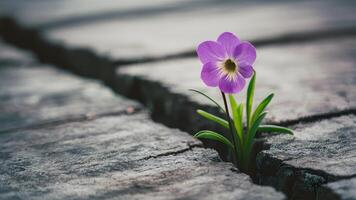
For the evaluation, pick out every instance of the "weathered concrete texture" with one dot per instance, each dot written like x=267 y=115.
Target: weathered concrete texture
x=35 y=94
x=344 y=190
x=87 y=148
x=13 y=56
x=68 y=12
x=83 y=174
x=318 y=153
x=176 y=26
x=307 y=79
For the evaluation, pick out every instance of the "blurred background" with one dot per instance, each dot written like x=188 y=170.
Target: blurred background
x=169 y=27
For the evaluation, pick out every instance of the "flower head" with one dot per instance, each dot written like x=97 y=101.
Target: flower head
x=226 y=62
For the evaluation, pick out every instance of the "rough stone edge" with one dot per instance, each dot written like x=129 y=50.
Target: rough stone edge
x=296 y=183
x=327 y=192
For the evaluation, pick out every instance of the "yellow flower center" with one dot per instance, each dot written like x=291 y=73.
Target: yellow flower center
x=230 y=66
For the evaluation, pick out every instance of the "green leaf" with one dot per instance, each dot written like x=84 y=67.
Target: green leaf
x=214 y=118
x=261 y=107
x=249 y=100
x=240 y=112
x=252 y=132
x=237 y=111
x=240 y=109
x=255 y=125
x=206 y=134
x=211 y=99
x=234 y=108
x=274 y=129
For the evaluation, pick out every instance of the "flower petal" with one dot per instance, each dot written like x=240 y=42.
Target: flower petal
x=246 y=70
x=234 y=85
x=210 y=74
x=229 y=41
x=210 y=51
x=245 y=53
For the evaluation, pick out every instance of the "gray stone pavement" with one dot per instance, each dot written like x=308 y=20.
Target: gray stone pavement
x=116 y=152
x=169 y=27
x=319 y=152
x=314 y=83
x=344 y=189
x=13 y=56
x=41 y=13
x=34 y=95
x=308 y=79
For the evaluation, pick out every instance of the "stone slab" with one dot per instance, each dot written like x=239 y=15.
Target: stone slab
x=308 y=79
x=89 y=147
x=13 y=56
x=41 y=13
x=318 y=153
x=343 y=190
x=114 y=158
x=328 y=146
x=134 y=30
x=33 y=94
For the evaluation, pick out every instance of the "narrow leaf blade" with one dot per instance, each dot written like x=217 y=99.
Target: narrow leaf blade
x=211 y=99
x=255 y=126
x=252 y=132
x=213 y=118
x=206 y=134
x=274 y=129
x=249 y=100
x=237 y=111
x=240 y=112
x=235 y=114
x=237 y=124
x=261 y=107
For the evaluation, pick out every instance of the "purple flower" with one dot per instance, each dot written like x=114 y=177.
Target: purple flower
x=227 y=62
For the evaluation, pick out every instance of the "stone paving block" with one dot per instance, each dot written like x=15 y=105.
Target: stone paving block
x=89 y=147
x=13 y=56
x=36 y=95
x=319 y=152
x=132 y=30
x=308 y=80
x=191 y=175
x=344 y=190
x=39 y=13
x=113 y=158
x=32 y=160
x=33 y=94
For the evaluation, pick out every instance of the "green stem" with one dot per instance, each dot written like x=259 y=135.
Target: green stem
x=230 y=125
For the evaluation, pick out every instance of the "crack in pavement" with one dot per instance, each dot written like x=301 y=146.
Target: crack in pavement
x=174 y=153
x=317 y=117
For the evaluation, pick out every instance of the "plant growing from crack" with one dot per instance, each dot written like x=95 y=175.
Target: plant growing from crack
x=226 y=64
